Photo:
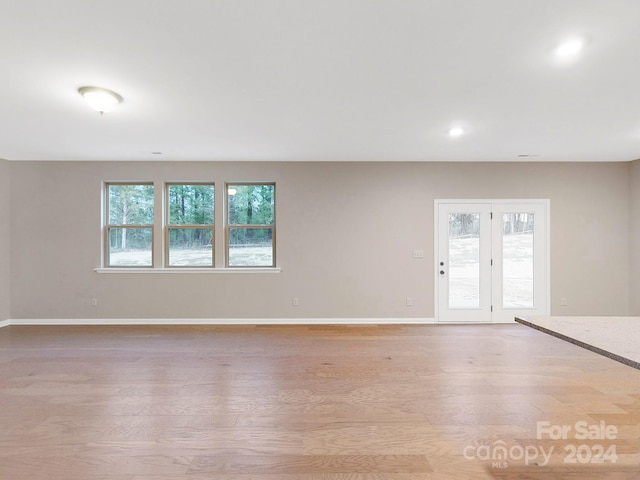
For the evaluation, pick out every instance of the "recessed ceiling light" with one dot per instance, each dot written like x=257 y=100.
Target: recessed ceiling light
x=569 y=48
x=156 y=153
x=100 y=99
x=456 y=131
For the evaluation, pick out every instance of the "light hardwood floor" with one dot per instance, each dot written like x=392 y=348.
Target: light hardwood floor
x=305 y=402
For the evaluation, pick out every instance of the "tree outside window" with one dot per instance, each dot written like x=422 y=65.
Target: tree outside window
x=190 y=225
x=129 y=228
x=250 y=229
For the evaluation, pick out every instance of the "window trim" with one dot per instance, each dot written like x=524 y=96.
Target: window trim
x=205 y=226
x=228 y=226
x=164 y=270
x=160 y=228
x=107 y=226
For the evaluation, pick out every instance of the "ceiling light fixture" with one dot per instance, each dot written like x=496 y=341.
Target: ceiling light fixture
x=569 y=48
x=456 y=131
x=100 y=99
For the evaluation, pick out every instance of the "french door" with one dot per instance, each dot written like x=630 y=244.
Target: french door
x=492 y=260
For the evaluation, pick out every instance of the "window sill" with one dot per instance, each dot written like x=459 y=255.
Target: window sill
x=146 y=270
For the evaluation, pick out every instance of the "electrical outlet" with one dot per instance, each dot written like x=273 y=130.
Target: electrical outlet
x=418 y=254
x=295 y=302
x=563 y=301
x=409 y=302
x=94 y=302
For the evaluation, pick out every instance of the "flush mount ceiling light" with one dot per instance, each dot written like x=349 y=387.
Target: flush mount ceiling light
x=100 y=99
x=570 y=48
x=456 y=132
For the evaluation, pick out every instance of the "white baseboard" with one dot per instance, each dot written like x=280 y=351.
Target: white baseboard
x=218 y=321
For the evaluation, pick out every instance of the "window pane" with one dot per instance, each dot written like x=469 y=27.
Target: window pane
x=517 y=263
x=191 y=204
x=250 y=247
x=190 y=247
x=130 y=204
x=130 y=247
x=464 y=260
x=251 y=204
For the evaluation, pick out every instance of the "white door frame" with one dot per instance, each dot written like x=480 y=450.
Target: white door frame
x=545 y=309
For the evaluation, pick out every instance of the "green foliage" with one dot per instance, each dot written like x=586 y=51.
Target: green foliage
x=188 y=238
x=251 y=204
x=131 y=204
x=132 y=238
x=250 y=236
x=191 y=204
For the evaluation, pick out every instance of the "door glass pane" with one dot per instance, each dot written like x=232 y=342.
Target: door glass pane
x=464 y=260
x=517 y=260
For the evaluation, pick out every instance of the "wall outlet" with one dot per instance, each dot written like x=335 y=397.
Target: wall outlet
x=94 y=302
x=563 y=301
x=409 y=302
x=418 y=254
x=295 y=302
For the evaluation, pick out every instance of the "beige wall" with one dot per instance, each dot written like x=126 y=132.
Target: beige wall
x=634 y=237
x=5 y=310
x=345 y=236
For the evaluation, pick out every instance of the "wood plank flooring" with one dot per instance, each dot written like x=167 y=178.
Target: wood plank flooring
x=306 y=402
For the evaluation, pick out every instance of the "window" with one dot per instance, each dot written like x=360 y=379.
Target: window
x=150 y=228
x=190 y=225
x=129 y=229
x=250 y=230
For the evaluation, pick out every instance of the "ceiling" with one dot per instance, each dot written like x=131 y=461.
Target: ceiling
x=323 y=80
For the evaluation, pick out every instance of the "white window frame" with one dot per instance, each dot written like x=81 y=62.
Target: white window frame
x=229 y=226
x=109 y=226
x=204 y=226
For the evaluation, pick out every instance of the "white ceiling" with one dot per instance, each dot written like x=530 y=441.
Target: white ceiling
x=320 y=80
